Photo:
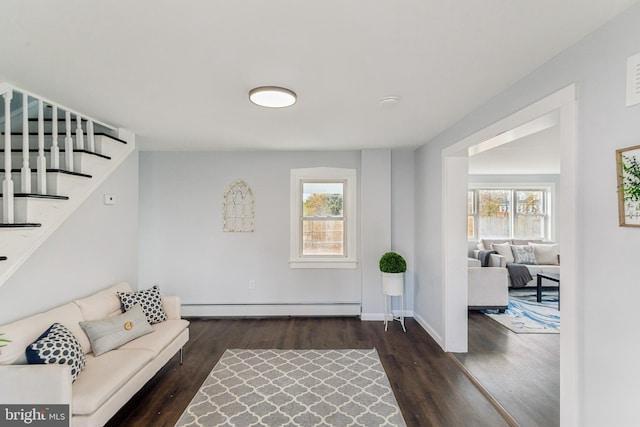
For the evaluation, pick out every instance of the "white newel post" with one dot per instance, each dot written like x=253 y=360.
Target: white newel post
x=91 y=136
x=41 y=164
x=79 y=134
x=25 y=172
x=55 y=149
x=68 y=144
x=7 y=184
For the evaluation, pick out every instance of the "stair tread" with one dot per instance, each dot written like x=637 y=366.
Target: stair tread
x=73 y=134
x=66 y=172
x=48 y=150
x=21 y=225
x=39 y=196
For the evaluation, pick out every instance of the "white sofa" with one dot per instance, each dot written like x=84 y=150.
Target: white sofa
x=547 y=253
x=107 y=381
x=488 y=287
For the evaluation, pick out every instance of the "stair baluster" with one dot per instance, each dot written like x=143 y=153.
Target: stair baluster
x=41 y=164
x=68 y=145
x=91 y=137
x=25 y=172
x=7 y=184
x=55 y=149
x=79 y=134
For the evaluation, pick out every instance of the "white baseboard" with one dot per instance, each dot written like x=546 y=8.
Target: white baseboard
x=430 y=330
x=379 y=317
x=260 y=310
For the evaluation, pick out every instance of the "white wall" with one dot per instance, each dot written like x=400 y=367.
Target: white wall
x=402 y=219
x=607 y=278
x=185 y=251
x=96 y=247
x=375 y=224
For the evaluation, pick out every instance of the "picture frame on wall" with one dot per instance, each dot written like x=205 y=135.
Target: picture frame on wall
x=628 y=171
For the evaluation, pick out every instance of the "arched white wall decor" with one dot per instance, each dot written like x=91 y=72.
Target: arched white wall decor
x=237 y=209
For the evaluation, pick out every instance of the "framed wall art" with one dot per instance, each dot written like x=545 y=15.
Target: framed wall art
x=628 y=170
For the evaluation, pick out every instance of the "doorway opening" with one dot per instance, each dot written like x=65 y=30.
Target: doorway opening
x=455 y=167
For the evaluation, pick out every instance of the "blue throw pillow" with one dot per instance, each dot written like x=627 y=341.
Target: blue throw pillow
x=57 y=345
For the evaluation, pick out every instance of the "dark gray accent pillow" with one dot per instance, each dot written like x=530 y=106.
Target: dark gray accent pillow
x=112 y=332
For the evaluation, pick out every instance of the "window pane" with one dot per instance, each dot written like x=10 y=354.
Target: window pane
x=494 y=213
x=323 y=237
x=530 y=215
x=470 y=226
x=322 y=199
x=471 y=208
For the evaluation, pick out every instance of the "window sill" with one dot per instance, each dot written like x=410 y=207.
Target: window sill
x=319 y=263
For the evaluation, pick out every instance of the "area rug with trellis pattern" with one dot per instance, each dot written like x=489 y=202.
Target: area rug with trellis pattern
x=295 y=388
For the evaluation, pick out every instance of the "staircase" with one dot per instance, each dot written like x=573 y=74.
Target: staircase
x=52 y=159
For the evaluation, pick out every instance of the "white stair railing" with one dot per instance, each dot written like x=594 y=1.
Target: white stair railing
x=55 y=150
x=79 y=134
x=7 y=91
x=91 y=136
x=41 y=163
x=68 y=143
x=25 y=172
x=7 y=184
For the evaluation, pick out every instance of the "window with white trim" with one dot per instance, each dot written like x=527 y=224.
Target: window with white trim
x=323 y=219
x=509 y=213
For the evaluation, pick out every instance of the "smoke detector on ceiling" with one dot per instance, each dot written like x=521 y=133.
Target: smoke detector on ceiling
x=389 y=101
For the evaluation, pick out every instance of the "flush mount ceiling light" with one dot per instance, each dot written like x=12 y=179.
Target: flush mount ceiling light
x=389 y=101
x=272 y=96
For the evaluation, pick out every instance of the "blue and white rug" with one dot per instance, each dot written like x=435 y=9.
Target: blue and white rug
x=526 y=316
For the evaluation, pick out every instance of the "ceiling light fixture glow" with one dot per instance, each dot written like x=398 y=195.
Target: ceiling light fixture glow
x=272 y=96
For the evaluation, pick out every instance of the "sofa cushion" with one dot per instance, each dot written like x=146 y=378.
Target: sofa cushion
x=103 y=376
x=24 y=331
x=473 y=262
x=150 y=301
x=523 y=254
x=503 y=249
x=102 y=304
x=112 y=332
x=57 y=346
x=546 y=253
x=487 y=243
x=163 y=334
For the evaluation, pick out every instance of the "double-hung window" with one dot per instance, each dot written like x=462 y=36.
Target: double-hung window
x=509 y=213
x=323 y=220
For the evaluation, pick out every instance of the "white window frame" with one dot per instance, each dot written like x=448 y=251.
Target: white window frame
x=348 y=176
x=550 y=205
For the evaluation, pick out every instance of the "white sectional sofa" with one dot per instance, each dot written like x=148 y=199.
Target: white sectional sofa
x=547 y=255
x=488 y=287
x=107 y=381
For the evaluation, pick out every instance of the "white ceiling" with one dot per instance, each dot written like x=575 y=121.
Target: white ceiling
x=538 y=153
x=529 y=149
x=177 y=73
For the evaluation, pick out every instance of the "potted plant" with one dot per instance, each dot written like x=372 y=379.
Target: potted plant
x=392 y=266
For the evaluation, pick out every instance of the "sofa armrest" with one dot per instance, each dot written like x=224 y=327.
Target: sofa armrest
x=35 y=384
x=496 y=260
x=171 y=306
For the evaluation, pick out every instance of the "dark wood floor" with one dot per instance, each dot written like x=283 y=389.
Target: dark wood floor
x=431 y=390
x=521 y=371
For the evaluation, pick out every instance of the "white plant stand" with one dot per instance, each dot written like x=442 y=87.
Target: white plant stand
x=393 y=286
